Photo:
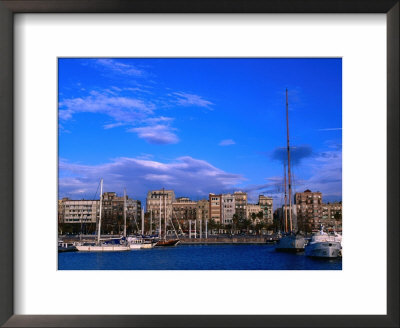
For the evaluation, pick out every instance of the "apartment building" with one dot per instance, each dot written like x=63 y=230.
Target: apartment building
x=228 y=208
x=266 y=204
x=155 y=200
x=309 y=210
x=215 y=207
x=240 y=204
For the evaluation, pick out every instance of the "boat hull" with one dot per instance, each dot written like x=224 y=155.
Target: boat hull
x=324 y=250
x=108 y=248
x=135 y=246
x=67 y=249
x=291 y=243
x=167 y=243
x=147 y=245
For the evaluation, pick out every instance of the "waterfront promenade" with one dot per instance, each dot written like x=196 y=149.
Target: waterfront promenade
x=210 y=240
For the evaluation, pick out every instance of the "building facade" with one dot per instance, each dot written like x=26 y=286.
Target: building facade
x=228 y=208
x=240 y=204
x=113 y=211
x=253 y=209
x=155 y=201
x=332 y=216
x=184 y=209
x=215 y=207
x=308 y=210
x=78 y=211
x=266 y=204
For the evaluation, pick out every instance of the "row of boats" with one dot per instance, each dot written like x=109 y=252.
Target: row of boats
x=116 y=244
x=123 y=243
x=321 y=244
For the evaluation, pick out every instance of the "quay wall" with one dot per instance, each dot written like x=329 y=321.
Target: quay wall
x=224 y=240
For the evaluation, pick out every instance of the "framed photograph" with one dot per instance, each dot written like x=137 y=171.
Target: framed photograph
x=199 y=153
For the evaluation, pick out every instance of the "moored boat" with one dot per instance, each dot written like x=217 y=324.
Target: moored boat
x=291 y=243
x=66 y=247
x=324 y=245
x=169 y=242
x=111 y=245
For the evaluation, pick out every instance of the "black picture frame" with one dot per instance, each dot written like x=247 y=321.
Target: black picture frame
x=10 y=7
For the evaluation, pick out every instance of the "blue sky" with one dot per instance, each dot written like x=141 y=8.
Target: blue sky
x=199 y=126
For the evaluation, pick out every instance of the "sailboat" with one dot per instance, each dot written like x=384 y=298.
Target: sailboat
x=163 y=239
x=292 y=242
x=112 y=245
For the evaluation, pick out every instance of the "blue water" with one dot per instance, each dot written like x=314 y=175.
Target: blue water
x=196 y=257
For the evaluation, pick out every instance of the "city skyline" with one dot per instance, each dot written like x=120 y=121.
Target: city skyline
x=199 y=126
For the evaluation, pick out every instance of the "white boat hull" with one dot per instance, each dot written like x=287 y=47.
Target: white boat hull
x=103 y=248
x=147 y=245
x=327 y=249
x=135 y=246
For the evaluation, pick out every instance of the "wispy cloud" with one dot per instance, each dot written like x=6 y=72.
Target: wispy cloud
x=330 y=129
x=189 y=99
x=113 y=125
x=156 y=134
x=227 y=142
x=122 y=109
x=186 y=175
x=120 y=68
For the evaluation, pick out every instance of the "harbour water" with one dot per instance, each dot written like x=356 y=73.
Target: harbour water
x=197 y=257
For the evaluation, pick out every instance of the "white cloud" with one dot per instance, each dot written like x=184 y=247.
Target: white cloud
x=121 y=68
x=113 y=125
x=227 y=142
x=186 y=175
x=189 y=99
x=122 y=109
x=330 y=129
x=156 y=134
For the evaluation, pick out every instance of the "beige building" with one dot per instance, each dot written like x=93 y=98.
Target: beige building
x=253 y=208
x=203 y=210
x=215 y=209
x=228 y=208
x=240 y=204
x=157 y=197
x=113 y=210
x=309 y=210
x=266 y=204
x=184 y=209
x=78 y=211
x=332 y=216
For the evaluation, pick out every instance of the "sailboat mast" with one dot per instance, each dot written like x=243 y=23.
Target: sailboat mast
x=288 y=154
x=124 y=212
x=142 y=216
x=159 y=228
x=151 y=222
x=286 y=227
x=101 y=202
x=165 y=217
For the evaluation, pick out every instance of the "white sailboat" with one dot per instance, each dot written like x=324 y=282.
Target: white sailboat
x=110 y=245
x=324 y=245
x=292 y=242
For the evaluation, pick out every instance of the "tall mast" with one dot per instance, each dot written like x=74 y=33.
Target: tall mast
x=288 y=154
x=142 y=216
x=101 y=201
x=285 y=208
x=165 y=217
x=151 y=222
x=159 y=228
x=124 y=212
